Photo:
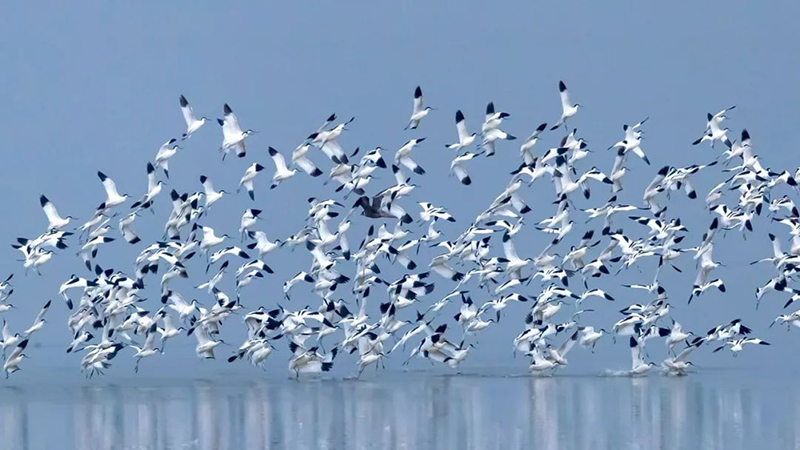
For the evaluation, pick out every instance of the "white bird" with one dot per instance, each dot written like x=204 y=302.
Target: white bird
x=192 y=123
x=210 y=238
x=112 y=196
x=249 y=219
x=9 y=339
x=211 y=196
x=464 y=138
x=126 y=228
x=54 y=220
x=590 y=337
x=39 y=322
x=567 y=107
x=165 y=152
x=737 y=345
x=525 y=149
x=89 y=249
x=232 y=135
x=676 y=335
x=638 y=365
x=457 y=167
x=149 y=348
x=248 y=177
x=282 y=173
x=403 y=156
x=262 y=244
x=13 y=360
x=205 y=343
x=419 y=110
x=493 y=135
x=153 y=189
x=300 y=160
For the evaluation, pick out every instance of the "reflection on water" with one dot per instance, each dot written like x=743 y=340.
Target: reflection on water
x=407 y=413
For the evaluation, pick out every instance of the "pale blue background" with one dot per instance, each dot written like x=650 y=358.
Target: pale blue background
x=94 y=86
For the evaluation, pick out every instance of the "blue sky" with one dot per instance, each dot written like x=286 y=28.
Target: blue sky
x=95 y=86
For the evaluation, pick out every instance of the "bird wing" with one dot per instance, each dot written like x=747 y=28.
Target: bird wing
x=232 y=121
x=418 y=101
x=150 y=341
x=111 y=187
x=564 y=348
x=461 y=128
x=208 y=188
x=127 y=233
x=151 y=178
x=305 y=165
x=50 y=210
x=682 y=356
x=409 y=163
x=280 y=163
x=40 y=316
x=637 y=358
x=6 y=333
x=508 y=248
x=460 y=172
x=564 y=94
x=333 y=147
x=178 y=300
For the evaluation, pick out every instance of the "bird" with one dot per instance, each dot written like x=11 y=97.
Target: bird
x=232 y=135
x=464 y=138
x=211 y=195
x=54 y=220
x=192 y=123
x=737 y=345
x=248 y=177
x=113 y=198
x=148 y=349
x=419 y=110
x=457 y=167
x=402 y=156
x=282 y=173
x=153 y=189
x=165 y=153
x=568 y=109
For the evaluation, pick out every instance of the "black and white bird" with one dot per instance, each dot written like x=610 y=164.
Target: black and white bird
x=192 y=122
x=54 y=220
x=248 y=177
x=464 y=138
x=568 y=109
x=419 y=111
x=282 y=173
x=232 y=135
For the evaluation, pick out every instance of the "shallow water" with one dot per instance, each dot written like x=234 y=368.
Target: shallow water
x=730 y=410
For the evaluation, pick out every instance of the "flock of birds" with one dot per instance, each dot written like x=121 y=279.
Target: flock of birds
x=109 y=317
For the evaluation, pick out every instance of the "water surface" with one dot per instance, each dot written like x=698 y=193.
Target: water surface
x=407 y=411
